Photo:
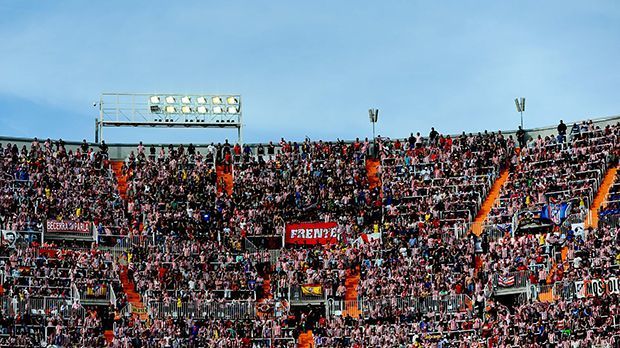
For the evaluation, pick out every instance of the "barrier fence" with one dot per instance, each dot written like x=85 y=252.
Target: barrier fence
x=511 y=280
x=214 y=310
x=40 y=305
x=367 y=308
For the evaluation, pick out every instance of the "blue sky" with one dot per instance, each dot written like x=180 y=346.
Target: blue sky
x=311 y=68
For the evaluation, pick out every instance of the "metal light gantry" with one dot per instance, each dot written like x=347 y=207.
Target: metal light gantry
x=167 y=110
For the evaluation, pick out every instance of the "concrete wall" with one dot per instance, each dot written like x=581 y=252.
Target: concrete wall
x=121 y=151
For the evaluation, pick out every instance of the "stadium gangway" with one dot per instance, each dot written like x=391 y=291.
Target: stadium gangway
x=233 y=310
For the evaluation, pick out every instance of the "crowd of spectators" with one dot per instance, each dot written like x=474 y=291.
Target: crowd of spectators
x=553 y=169
x=46 y=181
x=194 y=240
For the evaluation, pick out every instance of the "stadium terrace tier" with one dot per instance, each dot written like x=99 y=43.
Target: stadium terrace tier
x=493 y=239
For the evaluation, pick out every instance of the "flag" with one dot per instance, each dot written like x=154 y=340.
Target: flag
x=367 y=238
x=555 y=212
x=312 y=290
x=506 y=281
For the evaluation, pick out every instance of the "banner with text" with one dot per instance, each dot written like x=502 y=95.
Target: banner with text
x=311 y=233
x=597 y=287
x=67 y=226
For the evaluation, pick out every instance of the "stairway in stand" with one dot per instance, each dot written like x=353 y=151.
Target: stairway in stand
x=351 y=282
x=109 y=335
x=224 y=179
x=306 y=340
x=372 y=171
x=476 y=227
x=132 y=296
x=266 y=297
x=117 y=167
x=601 y=196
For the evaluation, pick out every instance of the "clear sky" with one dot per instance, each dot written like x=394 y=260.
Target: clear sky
x=311 y=68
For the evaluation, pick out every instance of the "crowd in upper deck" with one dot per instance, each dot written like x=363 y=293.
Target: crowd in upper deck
x=432 y=187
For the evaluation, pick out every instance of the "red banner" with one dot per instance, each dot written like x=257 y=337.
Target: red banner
x=67 y=226
x=311 y=233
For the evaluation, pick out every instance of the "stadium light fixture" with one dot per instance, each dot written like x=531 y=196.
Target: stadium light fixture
x=167 y=109
x=171 y=109
x=520 y=107
x=373 y=115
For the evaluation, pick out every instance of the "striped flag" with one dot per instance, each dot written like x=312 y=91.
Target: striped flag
x=506 y=281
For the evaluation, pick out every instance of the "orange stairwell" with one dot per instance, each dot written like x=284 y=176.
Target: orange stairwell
x=267 y=295
x=601 y=196
x=133 y=297
x=224 y=179
x=305 y=340
x=351 y=282
x=476 y=227
x=117 y=167
x=109 y=335
x=372 y=171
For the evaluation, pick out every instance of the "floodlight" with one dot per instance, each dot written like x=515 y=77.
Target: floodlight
x=155 y=109
x=233 y=110
x=186 y=100
x=232 y=100
x=523 y=104
x=170 y=100
x=217 y=100
x=186 y=109
x=154 y=99
x=218 y=110
x=201 y=100
x=518 y=105
x=171 y=109
x=202 y=109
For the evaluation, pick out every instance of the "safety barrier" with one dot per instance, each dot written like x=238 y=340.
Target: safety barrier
x=261 y=342
x=40 y=305
x=296 y=294
x=520 y=280
x=219 y=310
x=437 y=304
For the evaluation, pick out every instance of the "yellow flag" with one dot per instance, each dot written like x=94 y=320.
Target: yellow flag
x=312 y=290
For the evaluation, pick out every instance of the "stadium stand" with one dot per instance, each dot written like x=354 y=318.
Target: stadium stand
x=436 y=241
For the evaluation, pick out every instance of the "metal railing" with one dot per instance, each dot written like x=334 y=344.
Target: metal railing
x=97 y=292
x=297 y=295
x=40 y=305
x=216 y=310
x=370 y=307
x=521 y=279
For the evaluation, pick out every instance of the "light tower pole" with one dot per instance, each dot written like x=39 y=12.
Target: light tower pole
x=520 y=108
x=373 y=115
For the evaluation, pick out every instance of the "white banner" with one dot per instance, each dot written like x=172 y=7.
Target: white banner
x=579 y=230
x=9 y=238
x=597 y=287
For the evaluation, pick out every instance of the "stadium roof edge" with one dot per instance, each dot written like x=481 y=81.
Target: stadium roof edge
x=546 y=129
